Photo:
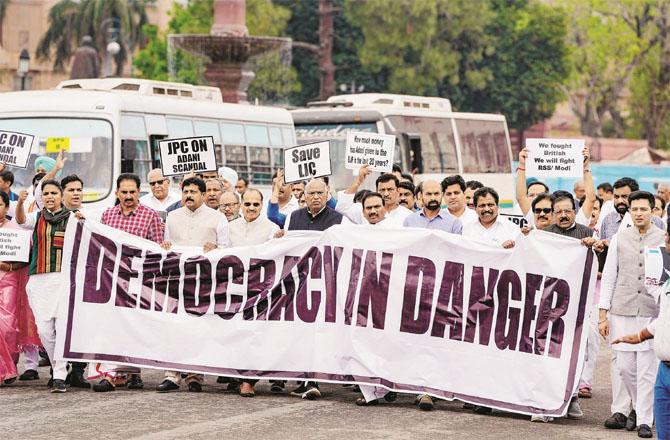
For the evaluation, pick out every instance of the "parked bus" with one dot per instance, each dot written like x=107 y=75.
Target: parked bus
x=114 y=126
x=432 y=141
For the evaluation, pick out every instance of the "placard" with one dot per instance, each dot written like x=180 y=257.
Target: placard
x=186 y=155
x=517 y=219
x=555 y=158
x=14 y=245
x=375 y=150
x=656 y=267
x=307 y=161
x=15 y=148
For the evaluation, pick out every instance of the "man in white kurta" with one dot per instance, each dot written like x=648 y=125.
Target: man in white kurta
x=160 y=197
x=626 y=306
x=194 y=224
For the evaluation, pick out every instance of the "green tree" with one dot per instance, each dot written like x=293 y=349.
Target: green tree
x=421 y=44
x=70 y=20
x=525 y=65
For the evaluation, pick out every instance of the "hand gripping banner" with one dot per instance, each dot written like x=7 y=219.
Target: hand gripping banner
x=411 y=310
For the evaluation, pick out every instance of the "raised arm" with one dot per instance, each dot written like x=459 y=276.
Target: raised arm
x=589 y=188
x=521 y=191
x=20 y=211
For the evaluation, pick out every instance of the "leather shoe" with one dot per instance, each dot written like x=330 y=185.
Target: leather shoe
x=644 y=431
x=195 y=387
x=616 y=421
x=631 y=423
x=103 y=386
x=29 y=375
x=135 y=382
x=76 y=380
x=167 y=385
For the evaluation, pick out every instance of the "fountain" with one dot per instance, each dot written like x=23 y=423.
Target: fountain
x=229 y=50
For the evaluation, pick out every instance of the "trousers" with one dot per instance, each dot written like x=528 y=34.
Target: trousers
x=638 y=371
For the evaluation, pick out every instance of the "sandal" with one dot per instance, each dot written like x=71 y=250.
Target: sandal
x=362 y=402
x=249 y=390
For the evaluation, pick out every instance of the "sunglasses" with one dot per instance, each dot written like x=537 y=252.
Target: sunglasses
x=157 y=182
x=255 y=204
x=542 y=210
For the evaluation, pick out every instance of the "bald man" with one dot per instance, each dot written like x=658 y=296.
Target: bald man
x=160 y=197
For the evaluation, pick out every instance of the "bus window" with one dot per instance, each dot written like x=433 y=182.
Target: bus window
x=155 y=149
x=179 y=128
x=261 y=168
x=236 y=158
x=287 y=133
x=275 y=136
x=447 y=150
x=256 y=134
x=232 y=133
x=135 y=158
x=415 y=156
x=278 y=158
x=484 y=146
x=132 y=127
x=210 y=128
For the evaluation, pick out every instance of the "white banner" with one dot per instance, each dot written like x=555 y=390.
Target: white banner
x=375 y=150
x=15 y=148
x=182 y=156
x=555 y=158
x=415 y=311
x=15 y=245
x=307 y=161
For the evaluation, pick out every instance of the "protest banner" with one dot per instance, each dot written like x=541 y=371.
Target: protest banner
x=363 y=305
x=517 y=219
x=555 y=158
x=656 y=267
x=185 y=155
x=307 y=161
x=15 y=245
x=15 y=148
x=375 y=150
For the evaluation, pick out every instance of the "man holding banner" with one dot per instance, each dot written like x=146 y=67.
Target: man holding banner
x=490 y=227
x=626 y=306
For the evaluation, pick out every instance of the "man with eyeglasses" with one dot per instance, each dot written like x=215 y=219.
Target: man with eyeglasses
x=229 y=204
x=160 y=197
x=626 y=306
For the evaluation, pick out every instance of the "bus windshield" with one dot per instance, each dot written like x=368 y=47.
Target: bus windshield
x=89 y=150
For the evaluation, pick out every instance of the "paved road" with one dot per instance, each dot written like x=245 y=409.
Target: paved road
x=28 y=411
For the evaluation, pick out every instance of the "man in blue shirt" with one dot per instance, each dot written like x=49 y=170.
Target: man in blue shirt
x=430 y=216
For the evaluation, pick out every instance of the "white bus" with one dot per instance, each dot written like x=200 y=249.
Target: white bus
x=114 y=124
x=432 y=141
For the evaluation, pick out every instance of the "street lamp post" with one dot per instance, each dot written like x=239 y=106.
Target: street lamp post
x=24 y=67
x=112 y=28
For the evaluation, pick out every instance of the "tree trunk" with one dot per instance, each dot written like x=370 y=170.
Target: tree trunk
x=326 y=66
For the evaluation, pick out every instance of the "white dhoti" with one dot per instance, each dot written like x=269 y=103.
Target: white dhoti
x=43 y=296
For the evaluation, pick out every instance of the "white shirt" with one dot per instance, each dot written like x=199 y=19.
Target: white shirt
x=150 y=201
x=244 y=233
x=352 y=211
x=468 y=216
x=396 y=218
x=660 y=327
x=197 y=217
x=291 y=206
x=501 y=231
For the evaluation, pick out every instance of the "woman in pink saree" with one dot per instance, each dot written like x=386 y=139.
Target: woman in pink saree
x=17 y=326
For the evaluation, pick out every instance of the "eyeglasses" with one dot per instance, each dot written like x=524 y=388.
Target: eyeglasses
x=542 y=210
x=157 y=182
x=254 y=204
x=564 y=211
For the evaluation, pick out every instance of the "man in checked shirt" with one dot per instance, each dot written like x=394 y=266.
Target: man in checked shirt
x=131 y=217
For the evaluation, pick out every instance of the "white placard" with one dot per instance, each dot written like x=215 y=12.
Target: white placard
x=14 y=245
x=375 y=150
x=15 y=148
x=307 y=161
x=185 y=155
x=555 y=158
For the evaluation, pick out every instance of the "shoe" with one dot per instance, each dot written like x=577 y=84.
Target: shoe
x=10 y=380
x=362 y=402
x=58 y=386
x=233 y=386
x=166 y=386
x=482 y=410
x=631 y=423
x=247 y=390
x=467 y=405
x=194 y=387
x=76 y=380
x=391 y=396
x=541 y=419
x=29 y=375
x=135 y=382
x=644 y=431
x=312 y=392
x=50 y=383
x=574 y=410
x=44 y=362
x=616 y=421
x=222 y=379
x=426 y=403
x=104 y=386
x=584 y=393
x=277 y=387
x=302 y=388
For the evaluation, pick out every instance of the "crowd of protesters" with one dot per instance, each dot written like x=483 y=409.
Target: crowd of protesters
x=220 y=209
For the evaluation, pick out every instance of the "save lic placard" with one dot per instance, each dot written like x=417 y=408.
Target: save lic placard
x=185 y=155
x=14 y=245
x=375 y=150
x=307 y=161
x=554 y=157
x=15 y=148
